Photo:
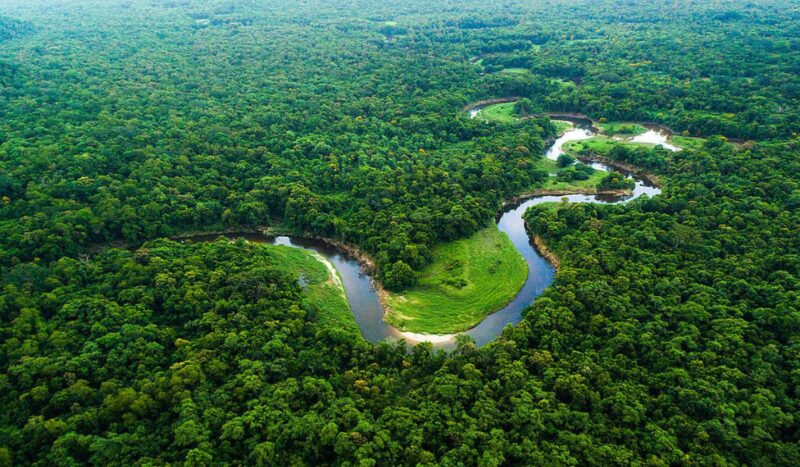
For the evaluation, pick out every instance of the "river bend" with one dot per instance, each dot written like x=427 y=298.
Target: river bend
x=365 y=303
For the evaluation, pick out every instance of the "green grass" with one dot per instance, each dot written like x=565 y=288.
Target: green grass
x=687 y=142
x=563 y=126
x=553 y=184
x=323 y=291
x=468 y=280
x=598 y=144
x=622 y=128
x=515 y=71
x=601 y=145
x=503 y=113
x=563 y=83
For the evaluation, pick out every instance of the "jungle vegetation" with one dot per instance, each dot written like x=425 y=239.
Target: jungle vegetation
x=466 y=280
x=670 y=336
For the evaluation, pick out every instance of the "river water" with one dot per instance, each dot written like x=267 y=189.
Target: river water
x=363 y=298
x=655 y=136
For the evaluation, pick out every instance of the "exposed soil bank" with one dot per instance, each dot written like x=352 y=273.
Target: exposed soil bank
x=541 y=247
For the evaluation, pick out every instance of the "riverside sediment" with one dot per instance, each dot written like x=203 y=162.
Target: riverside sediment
x=543 y=250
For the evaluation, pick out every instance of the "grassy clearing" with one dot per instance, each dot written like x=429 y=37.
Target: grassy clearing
x=687 y=142
x=468 y=280
x=597 y=144
x=322 y=291
x=589 y=184
x=503 y=113
x=563 y=83
x=516 y=71
x=553 y=184
x=601 y=145
x=622 y=128
x=563 y=126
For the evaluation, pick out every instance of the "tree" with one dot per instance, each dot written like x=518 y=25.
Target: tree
x=565 y=160
x=523 y=107
x=398 y=276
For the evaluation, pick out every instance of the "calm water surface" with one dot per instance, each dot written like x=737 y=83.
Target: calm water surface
x=363 y=298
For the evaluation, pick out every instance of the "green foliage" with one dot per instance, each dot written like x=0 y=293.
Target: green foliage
x=322 y=290
x=394 y=171
x=669 y=337
x=688 y=285
x=574 y=172
x=523 y=107
x=547 y=182
x=12 y=29
x=149 y=354
x=564 y=160
x=599 y=144
x=622 y=128
x=467 y=280
x=616 y=181
x=398 y=276
x=687 y=142
x=562 y=126
x=501 y=113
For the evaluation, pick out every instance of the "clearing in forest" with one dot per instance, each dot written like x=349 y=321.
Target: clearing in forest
x=503 y=113
x=323 y=291
x=468 y=280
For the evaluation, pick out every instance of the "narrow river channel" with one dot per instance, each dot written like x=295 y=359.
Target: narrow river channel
x=363 y=298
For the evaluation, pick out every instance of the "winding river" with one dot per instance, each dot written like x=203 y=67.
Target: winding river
x=363 y=298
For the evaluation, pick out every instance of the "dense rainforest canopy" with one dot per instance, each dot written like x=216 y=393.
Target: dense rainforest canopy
x=671 y=335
